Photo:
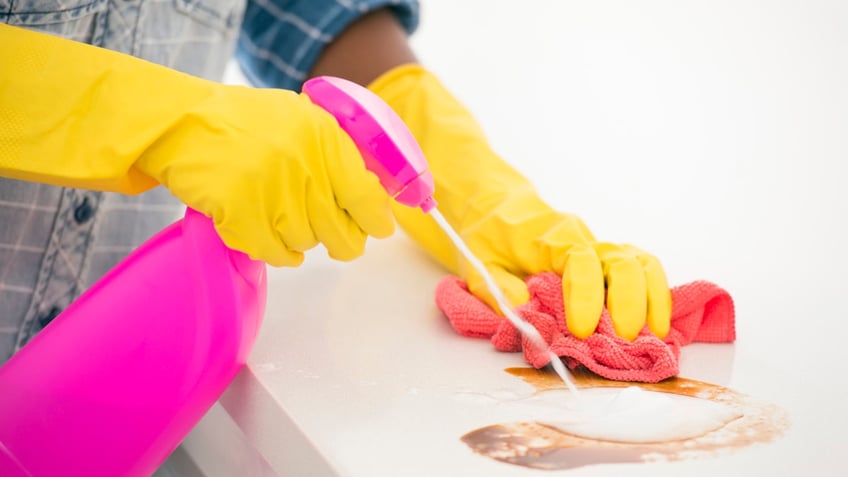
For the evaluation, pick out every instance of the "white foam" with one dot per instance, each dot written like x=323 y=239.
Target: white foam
x=627 y=415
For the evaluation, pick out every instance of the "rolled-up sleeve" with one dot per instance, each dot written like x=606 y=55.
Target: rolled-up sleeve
x=281 y=40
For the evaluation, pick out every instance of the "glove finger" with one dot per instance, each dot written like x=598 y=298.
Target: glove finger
x=627 y=295
x=358 y=191
x=268 y=247
x=568 y=231
x=582 y=290
x=274 y=253
x=514 y=289
x=292 y=219
x=333 y=227
x=294 y=229
x=659 y=294
x=282 y=257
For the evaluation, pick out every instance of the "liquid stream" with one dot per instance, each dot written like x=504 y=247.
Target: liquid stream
x=522 y=325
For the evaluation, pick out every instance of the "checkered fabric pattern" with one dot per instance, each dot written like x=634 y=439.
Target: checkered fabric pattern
x=281 y=39
x=55 y=242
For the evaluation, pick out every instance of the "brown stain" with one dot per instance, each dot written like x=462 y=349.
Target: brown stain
x=534 y=445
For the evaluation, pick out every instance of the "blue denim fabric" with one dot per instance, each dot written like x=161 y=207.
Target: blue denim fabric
x=281 y=39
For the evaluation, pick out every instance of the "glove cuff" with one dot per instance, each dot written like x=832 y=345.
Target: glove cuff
x=386 y=83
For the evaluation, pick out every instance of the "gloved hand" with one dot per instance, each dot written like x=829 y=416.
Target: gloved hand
x=507 y=225
x=275 y=172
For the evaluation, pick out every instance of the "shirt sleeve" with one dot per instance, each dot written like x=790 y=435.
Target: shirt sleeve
x=281 y=40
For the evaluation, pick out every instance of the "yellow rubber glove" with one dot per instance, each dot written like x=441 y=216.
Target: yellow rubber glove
x=506 y=224
x=275 y=172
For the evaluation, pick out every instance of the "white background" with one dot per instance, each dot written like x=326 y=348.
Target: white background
x=712 y=134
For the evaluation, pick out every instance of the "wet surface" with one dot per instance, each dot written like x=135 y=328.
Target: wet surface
x=536 y=445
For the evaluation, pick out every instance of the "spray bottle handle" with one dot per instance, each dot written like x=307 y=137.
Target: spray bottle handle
x=383 y=140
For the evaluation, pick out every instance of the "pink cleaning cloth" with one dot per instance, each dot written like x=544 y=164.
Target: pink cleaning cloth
x=701 y=312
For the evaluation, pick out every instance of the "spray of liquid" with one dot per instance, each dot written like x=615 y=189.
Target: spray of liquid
x=622 y=416
x=522 y=325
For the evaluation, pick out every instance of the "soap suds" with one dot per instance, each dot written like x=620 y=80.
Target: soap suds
x=630 y=415
x=541 y=438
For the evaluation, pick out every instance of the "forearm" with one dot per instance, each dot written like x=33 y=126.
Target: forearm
x=369 y=47
x=76 y=115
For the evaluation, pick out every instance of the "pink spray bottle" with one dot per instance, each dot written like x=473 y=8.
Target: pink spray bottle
x=116 y=381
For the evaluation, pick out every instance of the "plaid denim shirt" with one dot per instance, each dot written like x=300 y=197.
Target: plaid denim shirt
x=55 y=242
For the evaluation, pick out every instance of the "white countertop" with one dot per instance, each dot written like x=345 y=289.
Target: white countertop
x=714 y=136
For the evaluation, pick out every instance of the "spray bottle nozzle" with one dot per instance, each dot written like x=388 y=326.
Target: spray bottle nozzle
x=385 y=143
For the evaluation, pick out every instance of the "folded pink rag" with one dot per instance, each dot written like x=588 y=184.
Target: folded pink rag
x=701 y=312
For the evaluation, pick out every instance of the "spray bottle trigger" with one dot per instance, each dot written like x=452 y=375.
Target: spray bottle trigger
x=387 y=146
